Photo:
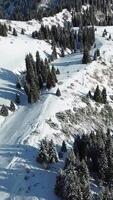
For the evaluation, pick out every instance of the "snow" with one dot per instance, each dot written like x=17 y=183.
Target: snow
x=22 y=131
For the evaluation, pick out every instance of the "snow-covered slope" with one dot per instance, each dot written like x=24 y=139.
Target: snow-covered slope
x=56 y=118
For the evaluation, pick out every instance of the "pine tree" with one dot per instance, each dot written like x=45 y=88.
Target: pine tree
x=38 y=63
x=109 y=36
x=4 y=111
x=89 y=95
x=50 y=81
x=57 y=71
x=47 y=153
x=98 y=53
x=22 y=31
x=86 y=57
x=53 y=71
x=54 y=53
x=10 y=28
x=62 y=52
x=3 y=30
x=58 y=93
x=17 y=99
x=18 y=86
x=15 y=32
x=64 y=147
x=97 y=95
x=53 y=157
x=104 y=96
x=32 y=82
x=12 y=106
x=95 y=55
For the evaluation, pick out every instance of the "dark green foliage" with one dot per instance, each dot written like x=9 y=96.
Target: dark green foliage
x=64 y=147
x=47 y=153
x=86 y=57
x=38 y=75
x=53 y=71
x=10 y=28
x=32 y=82
x=4 y=111
x=97 y=95
x=62 y=52
x=18 y=86
x=3 y=30
x=104 y=96
x=12 y=106
x=58 y=93
x=109 y=36
x=73 y=182
x=100 y=97
x=14 y=32
x=98 y=53
x=57 y=71
x=54 y=53
x=106 y=193
x=50 y=81
x=97 y=149
x=17 y=99
x=89 y=95
x=30 y=9
x=22 y=31
x=66 y=38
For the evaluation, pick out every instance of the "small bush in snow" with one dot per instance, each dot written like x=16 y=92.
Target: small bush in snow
x=58 y=93
x=4 y=111
x=12 y=106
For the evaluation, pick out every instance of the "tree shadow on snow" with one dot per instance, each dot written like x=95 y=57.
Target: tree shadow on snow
x=75 y=62
x=9 y=90
x=31 y=182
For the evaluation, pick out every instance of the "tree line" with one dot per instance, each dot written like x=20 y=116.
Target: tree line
x=66 y=37
x=90 y=158
x=39 y=75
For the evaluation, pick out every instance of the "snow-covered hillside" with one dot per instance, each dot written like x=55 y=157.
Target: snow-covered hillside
x=53 y=117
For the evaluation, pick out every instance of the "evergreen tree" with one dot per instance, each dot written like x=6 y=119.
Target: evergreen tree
x=10 y=28
x=15 y=32
x=54 y=53
x=53 y=71
x=57 y=71
x=32 y=82
x=98 y=53
x=18 y=86
x=22 y=31
x=50 y=81
x=89 y=95
x=3 y=30
x=104 y=96
x=86 y=57
x=47 y=153
x=4 y=111
x=97 y=95
x=12 y=106
x=64 y=147
x=95 y=55
x=58 y=93
x=17 y=99
x=62 y=52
